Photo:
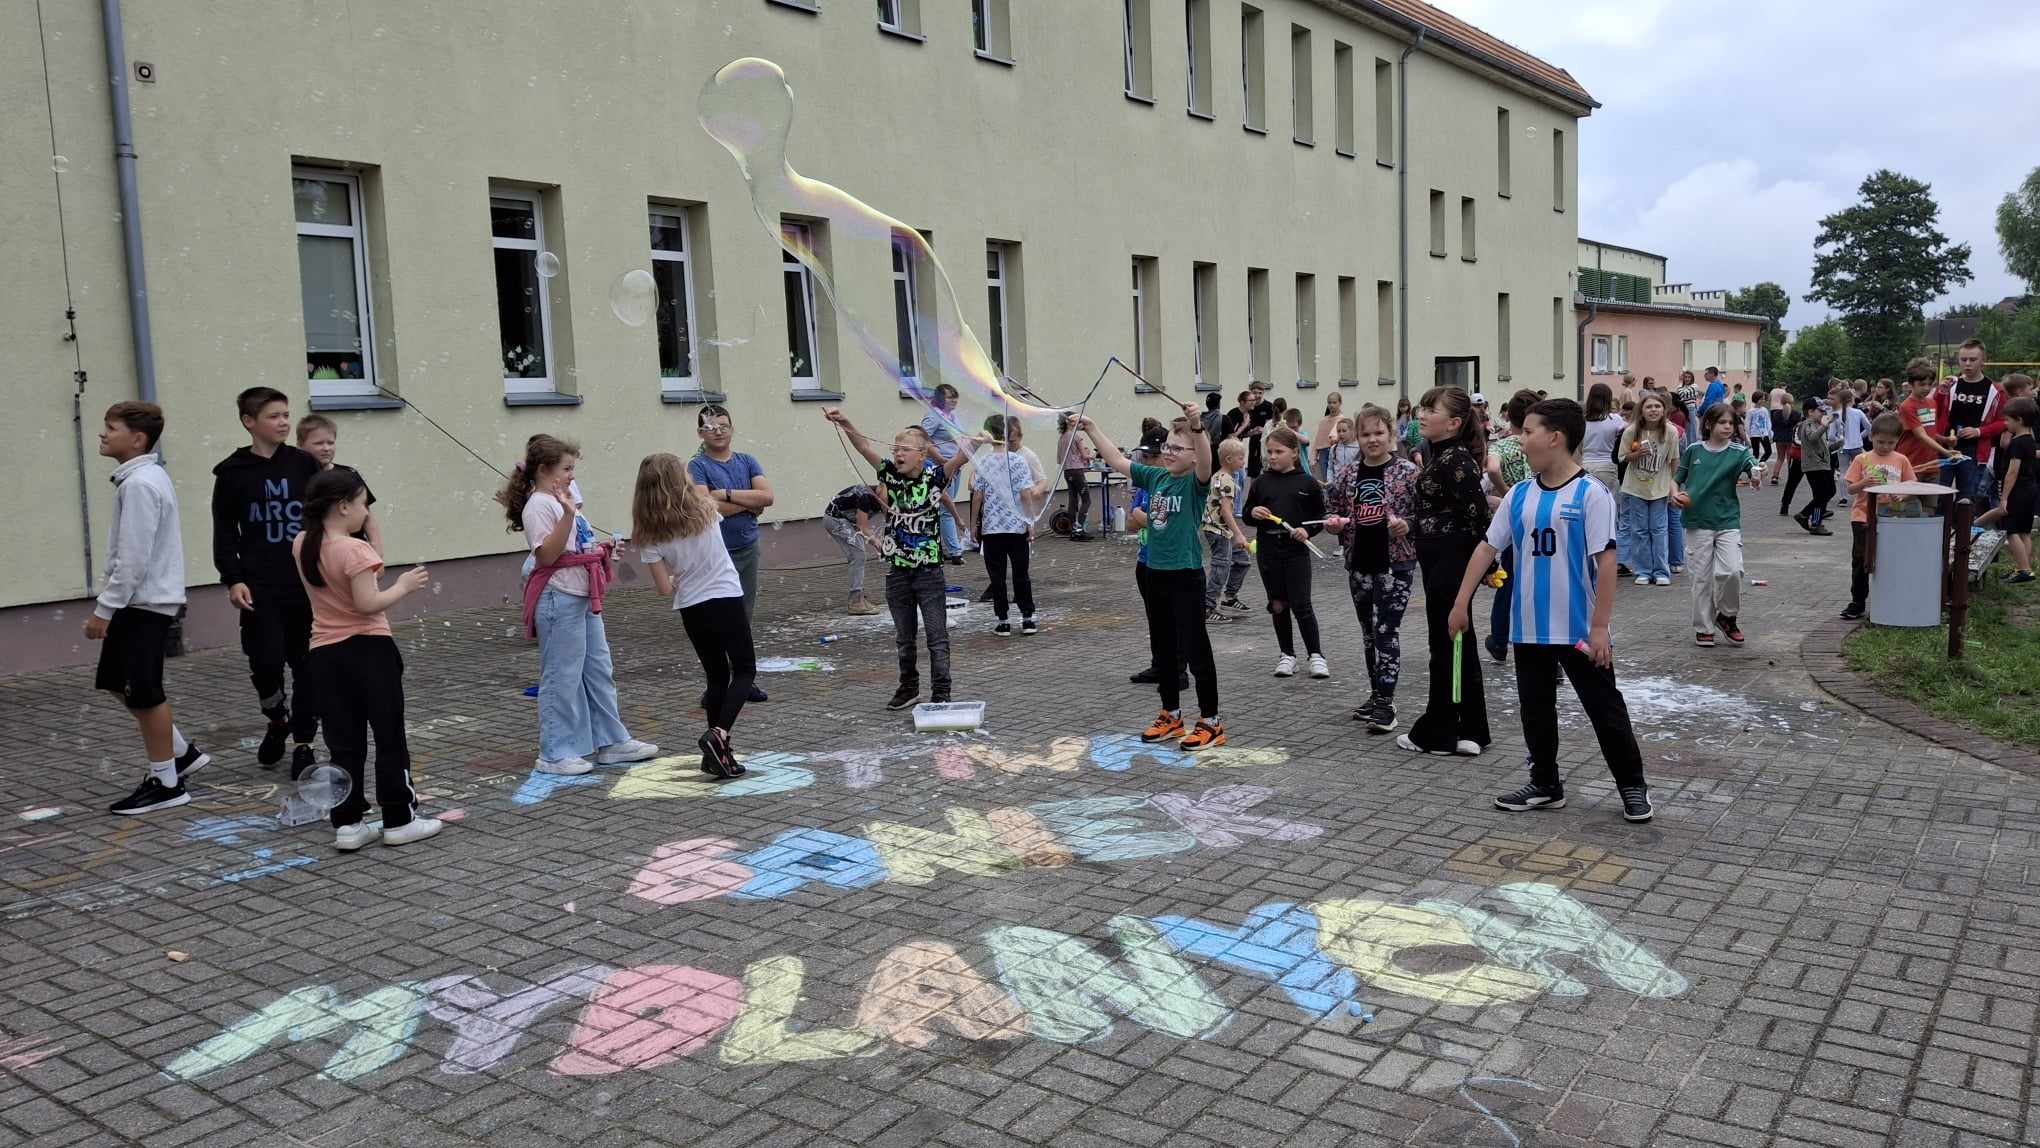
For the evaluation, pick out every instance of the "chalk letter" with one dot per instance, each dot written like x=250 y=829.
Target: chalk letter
x=1089 y=834
x=1279 y=941
x=645 y=1016
x=679 y=775
x=1062 y=982
x=486 y=1026
x=1559 y=923
x=690 y=870
x=760 y=1035
x=798 y=856
x=1219 y=817
x=1019 y=831
x=925 y=984
x=1365 y=936
x=383 y=1022
x=915 y=855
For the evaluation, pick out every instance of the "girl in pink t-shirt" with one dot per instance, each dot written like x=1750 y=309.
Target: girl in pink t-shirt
x=355 y=662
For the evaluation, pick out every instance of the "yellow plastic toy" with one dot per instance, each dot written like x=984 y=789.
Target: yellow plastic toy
x=1498 y=577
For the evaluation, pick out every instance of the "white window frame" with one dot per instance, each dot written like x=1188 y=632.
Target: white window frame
x=691 y=381
x=357 y=234
x=1196 y=331
x=889 y=15
x=903 y=281
x=1139 y=321
x=789 y=264
x=981 y=25
x=534 y=245
x=1599 y=347
x=1621 y=352
x=1749 y=356
x=1190 y=57
x=1721 y=353
x=1126 y=40
x=1686 y=354
x=995 y=280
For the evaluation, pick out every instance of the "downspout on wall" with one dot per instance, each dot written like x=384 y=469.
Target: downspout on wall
x=1402 y=210
x=1580 y=351
x=130 y=200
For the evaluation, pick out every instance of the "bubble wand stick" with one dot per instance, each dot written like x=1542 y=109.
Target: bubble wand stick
x=1264 y=513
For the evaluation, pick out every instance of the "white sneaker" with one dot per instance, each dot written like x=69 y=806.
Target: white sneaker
x=566 y=766
x=624 y=752
x=1467 y=749
x=1678 y=569
x=1318 y=668
x=416 y=829
x=1285 y=666
x=1661 y=580
x=1403 y=741
x=348 y=838
x=1643 y=579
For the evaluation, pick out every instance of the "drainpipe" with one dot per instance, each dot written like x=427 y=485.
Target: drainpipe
x=130 y=200
x=1402 y=209
x=1580 y=351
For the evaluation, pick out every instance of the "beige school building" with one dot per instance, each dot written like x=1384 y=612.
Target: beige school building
x=358 y=201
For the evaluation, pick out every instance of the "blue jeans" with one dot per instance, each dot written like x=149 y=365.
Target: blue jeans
x=1675 y=534
x=1625 y=548
x=949 y=543
x=577 y=683
x=1645 y=534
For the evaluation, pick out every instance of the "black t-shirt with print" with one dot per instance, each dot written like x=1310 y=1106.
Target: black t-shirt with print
x=1966 y=405
x=1369 y=554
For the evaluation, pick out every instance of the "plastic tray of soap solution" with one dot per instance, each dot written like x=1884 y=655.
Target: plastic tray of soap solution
x=935 y=717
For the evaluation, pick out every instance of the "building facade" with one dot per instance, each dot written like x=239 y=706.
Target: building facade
x=442 y=203
x=1635 y=323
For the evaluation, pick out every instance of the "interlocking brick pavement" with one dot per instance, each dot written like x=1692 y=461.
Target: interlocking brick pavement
x=1830 y=935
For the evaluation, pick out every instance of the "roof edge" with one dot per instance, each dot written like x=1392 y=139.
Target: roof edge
x=1683 y=310
x=1620 y=247
x=1577 y=94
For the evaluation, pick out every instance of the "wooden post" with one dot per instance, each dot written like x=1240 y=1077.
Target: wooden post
x=1958 y=576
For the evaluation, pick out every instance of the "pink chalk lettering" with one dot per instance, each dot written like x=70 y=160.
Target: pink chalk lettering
x=690 y=870
x=646 y=1016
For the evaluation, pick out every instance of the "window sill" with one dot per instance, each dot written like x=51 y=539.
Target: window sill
x=691 y=395
x=1558 y=374
x=1385 y=165
x=805 y=396
x=1505 y=378
x=811 y=7
x=355 y=403
x=1140 y=99
x=1301 y=142
x=1144 y=389
x=1255 y=128
x=1503 y=195
x=995 y=58
x=1558 y=211
x=1342 y=152
x=1306 y=384
x=903 y=34
x=1385 y=381
x=1210 y=388
x=539 y=399
x=1207 y=117
x=1437 y=255
x=1469 y=259
x=1349 y=382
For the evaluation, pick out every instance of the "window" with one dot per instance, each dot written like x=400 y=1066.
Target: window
x=995 y=304
x=1557 y=170
x=523 y=309
x=1721 y=353
x=889 y=15
x=1384 y=330
x=1600 y=349
x=1466 y=228
x=1686 y=354
x=1621 y=353
x=1253 y=69
x=333 y=283
x=991 y=28
x=1144 y=319
x=905 y=297
x=1306 y=329
x=1134 y=26
x=1197 y=56
x=1557 y=337
x=1749 y=357
x=673 y=272
x=1502 y=141
x=1349 y=331
x=1203 y=313
x=1342 y=92
x=1384 y=112
x=1302 y=114
x=1437 y=223
x=1257 y=324
x=1502 y=337
x=802 y=339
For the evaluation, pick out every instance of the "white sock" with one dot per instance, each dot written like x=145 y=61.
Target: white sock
x=165 y=773
x=1212 y=718
x=178 y=745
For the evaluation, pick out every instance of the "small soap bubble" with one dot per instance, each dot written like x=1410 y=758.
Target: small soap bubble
x=60 y=164
x=324 y=787
x=634 y=297
x=548 y=265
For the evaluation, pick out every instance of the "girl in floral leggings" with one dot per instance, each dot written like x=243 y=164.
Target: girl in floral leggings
x=1370 y=504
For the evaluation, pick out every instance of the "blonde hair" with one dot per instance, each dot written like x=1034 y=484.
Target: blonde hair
x=666 y=504
x=1232 y=448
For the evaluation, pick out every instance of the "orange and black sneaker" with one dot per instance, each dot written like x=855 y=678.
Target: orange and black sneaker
x=1207 y=734
x=1166 y=726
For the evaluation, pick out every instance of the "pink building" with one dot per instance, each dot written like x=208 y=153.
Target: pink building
x=1637 y=324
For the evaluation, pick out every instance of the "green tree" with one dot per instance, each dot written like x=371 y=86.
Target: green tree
x=1770 y=301
x=2013 y=338
x=2018 y=228
x=1880 y=262
x=1816 y=354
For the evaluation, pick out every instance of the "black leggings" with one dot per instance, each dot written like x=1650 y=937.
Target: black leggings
x=1760 y=447
x=1285 y=575
x=722 y=640
x=1175 y=603
x=1080 y=498
x=1001 y=549
x=1793 y=473
x=360 y=688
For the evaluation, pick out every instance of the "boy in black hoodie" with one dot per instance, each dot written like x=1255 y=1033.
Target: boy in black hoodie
x=257 y=508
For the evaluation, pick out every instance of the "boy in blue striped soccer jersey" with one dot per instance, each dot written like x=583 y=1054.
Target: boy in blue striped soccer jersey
x=1561 y=526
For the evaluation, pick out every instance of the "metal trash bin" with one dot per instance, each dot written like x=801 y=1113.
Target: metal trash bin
x=1905 y=582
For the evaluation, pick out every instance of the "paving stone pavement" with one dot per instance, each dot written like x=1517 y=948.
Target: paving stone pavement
x=1830 y=935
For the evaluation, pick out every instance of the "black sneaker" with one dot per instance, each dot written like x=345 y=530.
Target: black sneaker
x=956 y=559
x=1636 y=804
x=939 y=698
x=1027 y=626
x=273 y=739
x=1383 y=719
x=1533 y=796
x=1147 y=677
x=191 y=761
x=903 y=697
x=1003 y=630
x=148 y=797
x=716 y=759
x=1851 y=612
x=1497 y=647
x=1365 y=710
x=757 y=695
x=302 y=758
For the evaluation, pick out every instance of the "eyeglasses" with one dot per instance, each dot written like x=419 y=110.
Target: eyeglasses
x=1173 y=448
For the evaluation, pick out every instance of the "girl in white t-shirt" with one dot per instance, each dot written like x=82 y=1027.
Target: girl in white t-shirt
x=679 y=535
x=577 y=710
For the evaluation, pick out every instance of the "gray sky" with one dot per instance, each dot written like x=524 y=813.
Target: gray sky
x=1730 y=127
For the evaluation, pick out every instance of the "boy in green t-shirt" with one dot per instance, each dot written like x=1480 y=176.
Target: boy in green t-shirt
x=1175 y=571
x=1709 y=472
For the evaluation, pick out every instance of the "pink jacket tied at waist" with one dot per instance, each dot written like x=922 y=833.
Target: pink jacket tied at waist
x=597 y=562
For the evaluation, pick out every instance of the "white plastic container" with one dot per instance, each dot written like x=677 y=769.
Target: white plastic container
x=940 y=717
x=1905 y=589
